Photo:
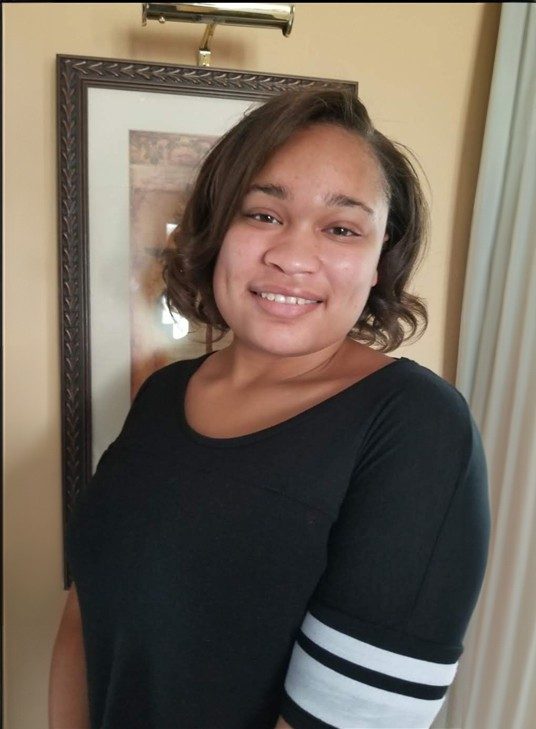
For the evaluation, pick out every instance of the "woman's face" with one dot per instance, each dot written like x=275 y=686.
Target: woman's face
x=311 y=227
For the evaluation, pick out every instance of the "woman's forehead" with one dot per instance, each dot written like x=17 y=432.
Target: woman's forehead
x=332 y=158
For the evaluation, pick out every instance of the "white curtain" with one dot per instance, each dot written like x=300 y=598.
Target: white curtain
x=495 y=687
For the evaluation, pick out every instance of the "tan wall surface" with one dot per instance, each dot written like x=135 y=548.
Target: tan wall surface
x=424 y=72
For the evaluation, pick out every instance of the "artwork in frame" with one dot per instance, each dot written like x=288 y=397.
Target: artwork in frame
x=131 y=136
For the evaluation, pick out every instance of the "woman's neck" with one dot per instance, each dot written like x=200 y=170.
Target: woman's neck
x=243 y=366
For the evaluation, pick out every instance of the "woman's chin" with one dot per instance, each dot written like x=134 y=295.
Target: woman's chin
x=278 y=345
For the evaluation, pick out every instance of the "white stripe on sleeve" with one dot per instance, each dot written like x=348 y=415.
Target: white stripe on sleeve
x=377 y=659
x=346 y=703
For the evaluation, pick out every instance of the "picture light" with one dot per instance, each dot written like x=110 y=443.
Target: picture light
x=253 y=15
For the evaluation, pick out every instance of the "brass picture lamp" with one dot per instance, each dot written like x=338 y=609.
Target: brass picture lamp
x=253 y=15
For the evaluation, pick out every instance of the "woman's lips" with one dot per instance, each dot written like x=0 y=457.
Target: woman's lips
x=282 y=310
x=267 y=287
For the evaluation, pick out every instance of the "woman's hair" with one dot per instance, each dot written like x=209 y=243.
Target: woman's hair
x=226 y=175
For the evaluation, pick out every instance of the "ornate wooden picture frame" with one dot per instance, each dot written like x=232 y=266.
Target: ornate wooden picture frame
x=91 y=94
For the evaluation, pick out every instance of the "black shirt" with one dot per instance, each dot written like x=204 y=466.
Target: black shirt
x=324 y=568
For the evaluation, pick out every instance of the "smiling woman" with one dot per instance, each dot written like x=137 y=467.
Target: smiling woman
x=368 y=164
x=311 y=226
x=292 y=530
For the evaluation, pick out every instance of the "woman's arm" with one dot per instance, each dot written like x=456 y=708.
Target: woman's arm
x=282 y=724
x=68 y=703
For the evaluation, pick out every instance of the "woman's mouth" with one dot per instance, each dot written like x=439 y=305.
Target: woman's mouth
x=286 y=299
x=284 y=306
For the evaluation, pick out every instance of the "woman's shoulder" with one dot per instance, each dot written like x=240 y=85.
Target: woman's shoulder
x=401 y=379
x=425 y=405
x=171 y=374
x=422 y=384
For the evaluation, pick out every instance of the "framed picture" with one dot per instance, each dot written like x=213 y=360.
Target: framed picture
x=131 y=137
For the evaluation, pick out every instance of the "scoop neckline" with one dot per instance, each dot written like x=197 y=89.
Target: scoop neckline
x=256 y=435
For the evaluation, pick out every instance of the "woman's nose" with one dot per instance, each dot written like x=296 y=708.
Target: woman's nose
x=293 y=252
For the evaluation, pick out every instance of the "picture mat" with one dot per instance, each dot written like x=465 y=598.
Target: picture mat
x=111 y=115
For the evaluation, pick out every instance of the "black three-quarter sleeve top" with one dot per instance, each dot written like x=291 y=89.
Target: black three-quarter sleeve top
x=324 y=569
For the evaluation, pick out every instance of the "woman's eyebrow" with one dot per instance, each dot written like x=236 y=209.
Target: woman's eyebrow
x=338 y=199
x=335 y=199
x=270 y=189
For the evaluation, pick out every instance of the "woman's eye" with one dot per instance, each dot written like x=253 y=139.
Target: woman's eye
x=342 y=232
x=263 y=218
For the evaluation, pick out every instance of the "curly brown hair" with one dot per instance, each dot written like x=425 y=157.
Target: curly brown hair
x=226 y=175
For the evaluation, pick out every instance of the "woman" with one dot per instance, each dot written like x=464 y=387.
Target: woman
x=292 y=530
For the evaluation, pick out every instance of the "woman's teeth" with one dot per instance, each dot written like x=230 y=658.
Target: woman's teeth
x=285 y=299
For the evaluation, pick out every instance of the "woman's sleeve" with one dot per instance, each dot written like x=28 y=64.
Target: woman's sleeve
x=382 y=635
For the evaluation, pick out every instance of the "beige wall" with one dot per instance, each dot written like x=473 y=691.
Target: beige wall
x=424 y=73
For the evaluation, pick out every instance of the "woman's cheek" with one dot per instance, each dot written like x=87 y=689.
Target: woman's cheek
x=353 y=275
